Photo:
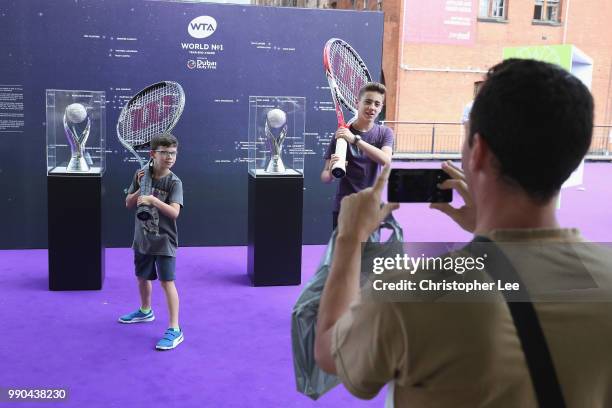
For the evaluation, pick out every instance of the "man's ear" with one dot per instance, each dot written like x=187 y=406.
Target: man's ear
x=480 y=153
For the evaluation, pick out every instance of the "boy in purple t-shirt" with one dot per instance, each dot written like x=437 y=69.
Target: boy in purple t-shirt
x=370 y=146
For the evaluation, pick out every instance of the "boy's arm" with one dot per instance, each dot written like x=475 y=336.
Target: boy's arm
x=381 y=156
x=326 y=176
x=175 y=199
x=171 y=210
x=134 y=191
x=131 y=199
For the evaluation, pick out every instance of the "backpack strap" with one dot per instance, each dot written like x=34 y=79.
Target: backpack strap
x=539 y=361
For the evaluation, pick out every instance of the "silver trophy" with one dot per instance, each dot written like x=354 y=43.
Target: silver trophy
x=276 y=130
x=76 y=114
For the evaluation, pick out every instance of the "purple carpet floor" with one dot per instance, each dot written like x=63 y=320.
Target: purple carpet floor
x=237 y=348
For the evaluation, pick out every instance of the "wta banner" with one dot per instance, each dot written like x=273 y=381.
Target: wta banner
x=447 y=21
x=220 y=54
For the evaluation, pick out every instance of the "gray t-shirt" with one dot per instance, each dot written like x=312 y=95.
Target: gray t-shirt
x=158 y=236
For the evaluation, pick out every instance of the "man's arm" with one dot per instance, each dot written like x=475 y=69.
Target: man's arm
x=360 y=215
x=341 y=288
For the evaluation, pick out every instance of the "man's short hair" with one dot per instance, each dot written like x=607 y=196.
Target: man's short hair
x=165 y=140
x=477 y=85
x=537 y=119
x=373 y=87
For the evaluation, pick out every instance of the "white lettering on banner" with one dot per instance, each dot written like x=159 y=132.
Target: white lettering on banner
x=202 y=27
x=196 y=46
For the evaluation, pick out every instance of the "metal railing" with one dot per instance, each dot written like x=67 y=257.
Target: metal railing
x=443 y=140
x=601 y=145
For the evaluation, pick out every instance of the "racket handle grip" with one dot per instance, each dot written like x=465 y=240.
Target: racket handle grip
x=143 y=212
x=338 y=170
x=145 y=181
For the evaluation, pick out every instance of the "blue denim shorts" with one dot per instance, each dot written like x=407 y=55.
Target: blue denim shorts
x=151 y=266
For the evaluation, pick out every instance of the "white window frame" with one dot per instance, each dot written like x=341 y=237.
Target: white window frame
x=549 y=10
x=494 y=9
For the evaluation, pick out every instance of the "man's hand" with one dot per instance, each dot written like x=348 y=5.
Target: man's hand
x=465 y=216
x=361 y=213
x=146 y=200
x=344 y=133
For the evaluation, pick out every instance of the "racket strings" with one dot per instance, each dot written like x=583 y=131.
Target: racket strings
x=348 y=72
x=153 y=112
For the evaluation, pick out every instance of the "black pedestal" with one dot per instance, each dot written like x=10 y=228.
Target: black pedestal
x=275 y=230
x=76 y=250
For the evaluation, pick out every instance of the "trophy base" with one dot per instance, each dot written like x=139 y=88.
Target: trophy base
x=76 y=262
x=274 y=254
x=88 y=159
x=77 y=165
x=276 y=165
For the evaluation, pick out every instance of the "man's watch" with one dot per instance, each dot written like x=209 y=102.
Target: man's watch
x=356 y=139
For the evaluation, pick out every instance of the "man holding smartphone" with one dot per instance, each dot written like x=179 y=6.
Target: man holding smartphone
x=530 y=127
x=369 y=147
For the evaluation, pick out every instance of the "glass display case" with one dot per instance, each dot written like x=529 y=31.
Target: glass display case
x=76 y=130
x=276 y=135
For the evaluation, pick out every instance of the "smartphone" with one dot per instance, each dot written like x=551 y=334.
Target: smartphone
x=417 y=186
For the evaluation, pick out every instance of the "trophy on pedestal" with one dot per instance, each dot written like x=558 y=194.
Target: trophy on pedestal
x=276 y=130
x=74 y=116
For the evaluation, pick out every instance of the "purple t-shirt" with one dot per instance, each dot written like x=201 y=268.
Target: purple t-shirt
x=361 y=171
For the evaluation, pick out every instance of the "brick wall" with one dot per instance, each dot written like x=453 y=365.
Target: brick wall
x=437 y=80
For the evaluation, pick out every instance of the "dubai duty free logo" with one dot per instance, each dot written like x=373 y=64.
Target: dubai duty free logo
x=201 y=64
x=202 y=27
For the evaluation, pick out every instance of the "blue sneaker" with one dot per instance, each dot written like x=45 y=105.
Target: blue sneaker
x=170 y=340
x=137 y=317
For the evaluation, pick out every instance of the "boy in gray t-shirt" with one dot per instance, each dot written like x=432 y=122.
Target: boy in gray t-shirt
x=155 y=240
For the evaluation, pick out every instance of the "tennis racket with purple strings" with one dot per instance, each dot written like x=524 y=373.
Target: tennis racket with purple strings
x=152 y=111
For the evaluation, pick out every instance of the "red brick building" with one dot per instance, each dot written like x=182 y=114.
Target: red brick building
x=432 y=82
x=435 y=81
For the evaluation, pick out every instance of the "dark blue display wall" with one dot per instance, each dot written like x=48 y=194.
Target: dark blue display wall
x=121 y=46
